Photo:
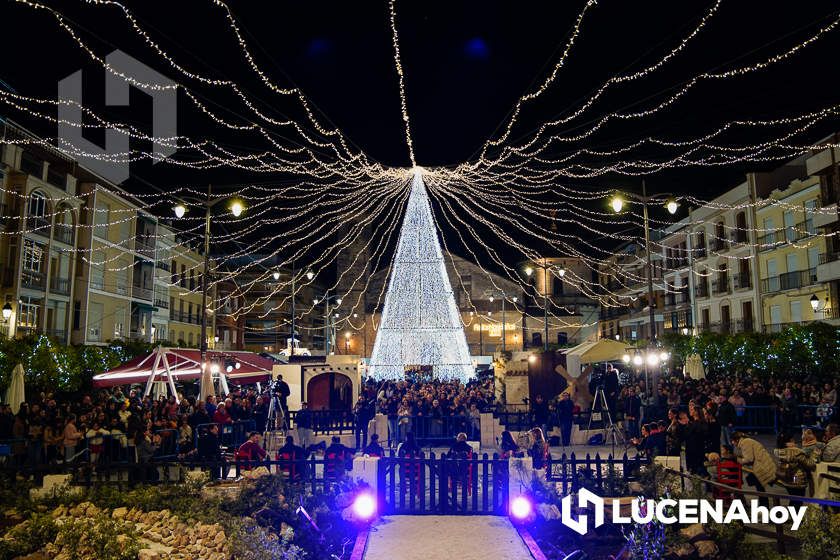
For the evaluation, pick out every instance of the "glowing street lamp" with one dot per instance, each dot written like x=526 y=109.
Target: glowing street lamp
x=236 y=208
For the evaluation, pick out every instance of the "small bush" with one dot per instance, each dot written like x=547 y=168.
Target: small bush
x=28 y=537
x=100 y=537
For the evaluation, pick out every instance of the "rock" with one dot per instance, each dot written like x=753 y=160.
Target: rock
x=120 y=513
x=220 y=537
x=147 y=554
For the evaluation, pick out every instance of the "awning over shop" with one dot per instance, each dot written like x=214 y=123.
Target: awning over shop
x=603 y=350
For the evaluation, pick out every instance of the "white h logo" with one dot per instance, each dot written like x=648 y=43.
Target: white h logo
x=580 y=525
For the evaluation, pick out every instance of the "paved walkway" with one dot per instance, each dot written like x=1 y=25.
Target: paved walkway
x=441 y=537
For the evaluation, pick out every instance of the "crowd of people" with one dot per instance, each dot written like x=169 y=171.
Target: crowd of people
x=118 y=425
x=704 y=420
x=124 y=426
x=709 y=421
x=432 y=410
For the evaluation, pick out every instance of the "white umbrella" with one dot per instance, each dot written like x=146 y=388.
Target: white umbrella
x=15 y=393
x=694 y=367
x=206 y=384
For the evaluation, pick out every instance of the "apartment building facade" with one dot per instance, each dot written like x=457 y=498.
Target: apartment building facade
x=759 y=257
x=825 y=164
x=39 y=212
x=721 y=247
x=82 y=261
x=789 y=253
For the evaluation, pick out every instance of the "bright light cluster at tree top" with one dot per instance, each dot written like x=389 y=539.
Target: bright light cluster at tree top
x=320 y=194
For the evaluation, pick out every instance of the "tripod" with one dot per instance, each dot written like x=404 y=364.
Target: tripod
x=276 y=419
x=610 y=429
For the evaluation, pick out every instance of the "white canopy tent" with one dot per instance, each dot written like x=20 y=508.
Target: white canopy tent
x=603 y=350
x=15 y=394
x=160 y=369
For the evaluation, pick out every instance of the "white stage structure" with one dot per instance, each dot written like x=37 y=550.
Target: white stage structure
x=421 y=324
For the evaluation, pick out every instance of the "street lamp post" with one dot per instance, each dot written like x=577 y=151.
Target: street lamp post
x=671 y=205
x=236 y=208
x=7 y=315
x=561 y=271
x=328 y=323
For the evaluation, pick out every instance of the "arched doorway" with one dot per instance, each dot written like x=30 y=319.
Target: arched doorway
x=329 y=391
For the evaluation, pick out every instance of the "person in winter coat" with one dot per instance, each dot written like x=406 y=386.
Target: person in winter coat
x=756 y=462
x=795 y=467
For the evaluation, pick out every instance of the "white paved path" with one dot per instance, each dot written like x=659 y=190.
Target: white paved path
x=439 y=537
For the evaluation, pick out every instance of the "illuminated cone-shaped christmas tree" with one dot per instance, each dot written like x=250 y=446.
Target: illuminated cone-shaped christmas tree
x=421 y=325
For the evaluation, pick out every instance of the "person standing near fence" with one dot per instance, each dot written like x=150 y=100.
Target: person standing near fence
x=390 y=409
x=726 y=419
x=565 y=417
x=539 y=413
x=303 y=423
x=632 y=410
x=361 y=417
x=71 y=438
x=282 y=390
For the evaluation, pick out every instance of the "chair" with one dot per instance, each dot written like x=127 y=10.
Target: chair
x=410 y=471
x=463 y=473
x=729 y=473
x=333 y=465
x=288 y=466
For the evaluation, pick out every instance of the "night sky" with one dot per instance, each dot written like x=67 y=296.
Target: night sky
x=466 y=63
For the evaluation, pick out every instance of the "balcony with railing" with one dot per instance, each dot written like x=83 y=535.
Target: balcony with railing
x=162 y=303
x=789 y=280
x=718 y=245
x=700 y=252
x=721 y=285
x=39 y=225
x=142 y=292
x=740 y=236
x=742 y=281
x=33 y=280
x=701 y=290
x=770 y=240
x=63 y=234
x=829 y=257
x=806 y=228
x=745 y=325
x=162 y=265
x=60 y=286
x=145 y=246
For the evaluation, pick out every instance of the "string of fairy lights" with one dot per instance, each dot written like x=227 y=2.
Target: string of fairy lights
x=324 y=197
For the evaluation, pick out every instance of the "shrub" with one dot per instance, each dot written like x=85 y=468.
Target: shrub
x=820 y=534
x=28 y=537
x=100 y=537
